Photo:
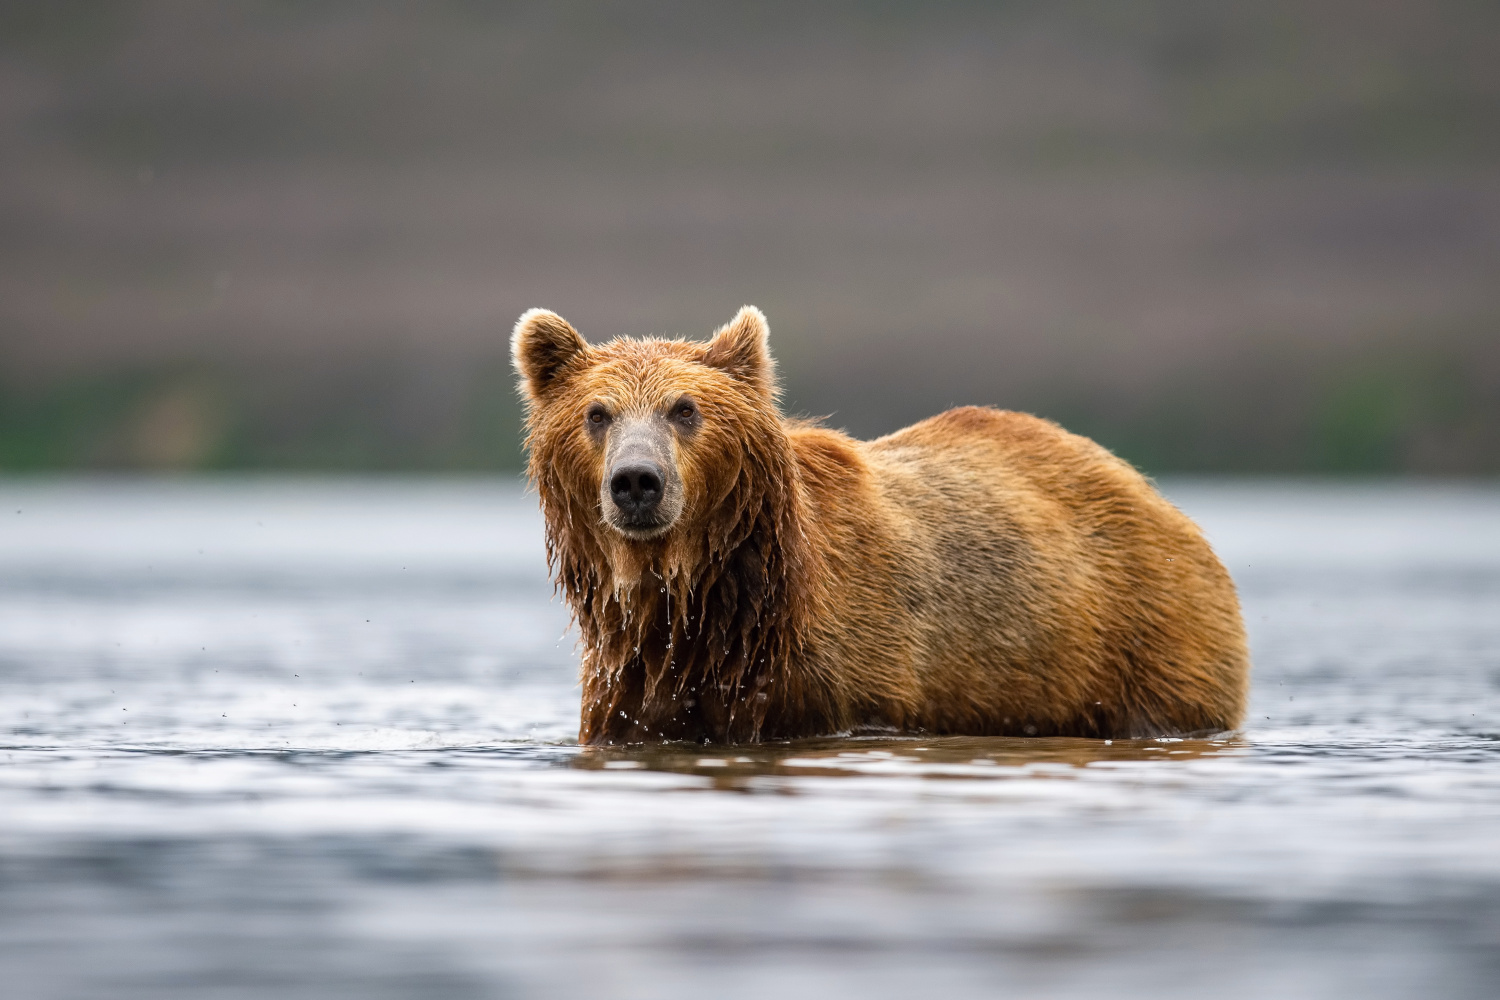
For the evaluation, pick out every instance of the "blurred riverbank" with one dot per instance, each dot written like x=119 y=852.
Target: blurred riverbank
x=1215 y=236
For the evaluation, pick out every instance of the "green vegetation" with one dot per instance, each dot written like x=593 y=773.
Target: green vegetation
x=379 y=416
x=1420 y=404
x=1427 y=403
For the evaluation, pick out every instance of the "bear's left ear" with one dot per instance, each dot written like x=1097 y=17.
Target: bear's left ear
x=742 y=349
x=541 y=346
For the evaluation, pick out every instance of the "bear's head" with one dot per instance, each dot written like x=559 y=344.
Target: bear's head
x=645 y=441
x=674 y=506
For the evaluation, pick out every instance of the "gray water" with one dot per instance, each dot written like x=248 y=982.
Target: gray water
x=311 y=739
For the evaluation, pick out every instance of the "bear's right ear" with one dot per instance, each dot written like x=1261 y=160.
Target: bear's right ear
x=541 y=346
x=741 y=348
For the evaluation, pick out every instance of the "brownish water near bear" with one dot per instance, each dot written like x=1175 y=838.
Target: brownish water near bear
x=738 y=576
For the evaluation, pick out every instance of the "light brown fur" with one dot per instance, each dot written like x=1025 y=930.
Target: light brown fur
x=982 y=572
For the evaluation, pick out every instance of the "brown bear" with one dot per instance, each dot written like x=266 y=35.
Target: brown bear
x=738 y=576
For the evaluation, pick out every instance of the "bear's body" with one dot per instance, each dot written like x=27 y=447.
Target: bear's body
x=980 y=572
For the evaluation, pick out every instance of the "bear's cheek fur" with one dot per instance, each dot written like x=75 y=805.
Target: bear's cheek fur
x=580 y=460
x=709 y=464
x=568 y=468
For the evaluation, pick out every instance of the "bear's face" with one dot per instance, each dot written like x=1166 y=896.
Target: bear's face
x=651 y=434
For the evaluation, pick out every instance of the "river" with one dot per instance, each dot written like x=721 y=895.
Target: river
x=313 y=739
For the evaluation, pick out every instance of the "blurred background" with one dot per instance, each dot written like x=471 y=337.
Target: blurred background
x=1216 y=236
x=311 y=737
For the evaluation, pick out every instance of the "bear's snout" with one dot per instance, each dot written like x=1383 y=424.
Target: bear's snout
x=641 y=493
x=636 y=488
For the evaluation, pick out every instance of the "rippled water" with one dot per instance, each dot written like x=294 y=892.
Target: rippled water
x=311 y=739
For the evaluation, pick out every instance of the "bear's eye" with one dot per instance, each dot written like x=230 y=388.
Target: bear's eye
x=686 y=410
x=597 y=415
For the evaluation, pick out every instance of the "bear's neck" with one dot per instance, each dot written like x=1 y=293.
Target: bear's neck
x=704 y=639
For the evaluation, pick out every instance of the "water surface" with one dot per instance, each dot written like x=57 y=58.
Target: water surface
x=313 y=739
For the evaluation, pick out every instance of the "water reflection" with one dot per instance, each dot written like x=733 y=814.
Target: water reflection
x=946 y=757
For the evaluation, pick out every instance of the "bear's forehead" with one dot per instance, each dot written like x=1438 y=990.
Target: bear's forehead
x=646 y=365
x=646 y=351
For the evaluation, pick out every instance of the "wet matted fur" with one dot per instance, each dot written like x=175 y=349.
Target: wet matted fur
x=980 y=572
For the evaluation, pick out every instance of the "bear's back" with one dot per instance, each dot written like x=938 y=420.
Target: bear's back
x=1054 y=580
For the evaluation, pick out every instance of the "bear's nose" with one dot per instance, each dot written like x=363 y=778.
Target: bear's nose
x=636 y=488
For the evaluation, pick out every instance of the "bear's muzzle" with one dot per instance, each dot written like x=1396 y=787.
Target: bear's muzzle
x=641 y=495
